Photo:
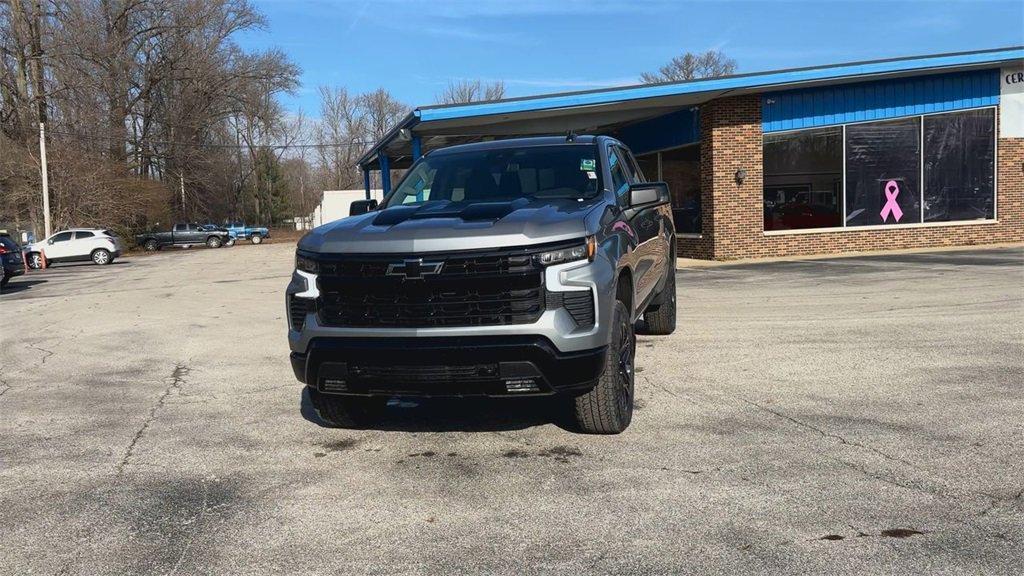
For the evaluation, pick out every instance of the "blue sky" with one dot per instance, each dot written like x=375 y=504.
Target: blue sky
x=414 y=48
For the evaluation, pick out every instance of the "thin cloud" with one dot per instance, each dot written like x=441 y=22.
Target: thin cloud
x=460 y=9
x=570 y=82
x=359 y=16
x=448 y=29
x=547 y=83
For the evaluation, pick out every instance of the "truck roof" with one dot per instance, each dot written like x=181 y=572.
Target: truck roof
x=517 y=143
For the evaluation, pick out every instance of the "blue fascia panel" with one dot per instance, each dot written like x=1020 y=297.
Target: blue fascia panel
x=878 y=100
x=385 y=173
x=668 y=131
x=748 y=81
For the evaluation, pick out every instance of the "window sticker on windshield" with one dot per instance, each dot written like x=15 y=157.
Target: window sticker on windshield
x=588 y=164
x=592 y=175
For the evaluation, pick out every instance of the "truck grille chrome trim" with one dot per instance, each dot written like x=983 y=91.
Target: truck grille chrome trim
x=469 y=288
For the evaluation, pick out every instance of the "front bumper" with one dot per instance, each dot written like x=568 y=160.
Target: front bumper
x=452 y=366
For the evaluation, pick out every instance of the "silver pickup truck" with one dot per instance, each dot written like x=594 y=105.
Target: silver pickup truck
x=506 y=268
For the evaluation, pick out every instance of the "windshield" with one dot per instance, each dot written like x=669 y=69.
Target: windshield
x=538 y=172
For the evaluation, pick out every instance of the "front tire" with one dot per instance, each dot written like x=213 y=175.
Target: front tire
x=35 y=260
x=151 y=246
x=347 y=411
x=213 y=242
x=256 y=239
x=608 y=407
x=101 y=257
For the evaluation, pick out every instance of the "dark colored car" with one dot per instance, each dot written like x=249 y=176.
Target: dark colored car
x=507 y=268
x=12 y=261
x=187 y=234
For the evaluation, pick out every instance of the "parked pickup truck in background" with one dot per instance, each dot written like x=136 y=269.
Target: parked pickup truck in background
x=215 y=227
x=183 y=235
x=240 y=231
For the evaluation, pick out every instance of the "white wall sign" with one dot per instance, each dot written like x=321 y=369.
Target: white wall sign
x=1011 y=102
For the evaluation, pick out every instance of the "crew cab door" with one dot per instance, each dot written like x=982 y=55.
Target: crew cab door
x=186 y=234
x=646 y=222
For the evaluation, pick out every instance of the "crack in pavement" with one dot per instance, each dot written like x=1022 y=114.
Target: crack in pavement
x=996 y=500
x=832 y=435
x=940 y=491
x=48 y=353
x=177 y=378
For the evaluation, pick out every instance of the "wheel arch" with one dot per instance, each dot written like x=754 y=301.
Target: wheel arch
x=624 y=288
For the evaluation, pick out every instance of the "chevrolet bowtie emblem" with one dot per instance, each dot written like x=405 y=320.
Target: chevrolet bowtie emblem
x=414 y=269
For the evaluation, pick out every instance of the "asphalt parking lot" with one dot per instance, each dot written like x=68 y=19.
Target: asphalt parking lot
x=844 y=415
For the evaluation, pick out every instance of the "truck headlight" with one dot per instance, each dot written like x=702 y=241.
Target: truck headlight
x=583 y=251
x=306 y=264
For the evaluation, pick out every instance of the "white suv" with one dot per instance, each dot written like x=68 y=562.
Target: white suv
x=77 y=244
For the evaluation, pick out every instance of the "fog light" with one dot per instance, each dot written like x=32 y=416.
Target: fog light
x=522 y=385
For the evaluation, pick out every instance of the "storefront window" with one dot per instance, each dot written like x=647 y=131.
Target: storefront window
x=959 y=166
x=940 y=165
x=803 y=179
x=680 y=169
x=883 y=173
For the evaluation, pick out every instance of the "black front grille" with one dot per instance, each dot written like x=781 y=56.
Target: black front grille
x=424 y=374
x=297 y=310
x=480 y=288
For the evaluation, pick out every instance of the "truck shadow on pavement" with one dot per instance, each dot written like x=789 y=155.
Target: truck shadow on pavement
x=18 y=285
x=460 y=414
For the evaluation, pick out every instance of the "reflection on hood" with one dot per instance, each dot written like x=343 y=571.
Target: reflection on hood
x=445 y=225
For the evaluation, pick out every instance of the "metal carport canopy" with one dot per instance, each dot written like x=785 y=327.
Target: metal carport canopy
x=595 y=110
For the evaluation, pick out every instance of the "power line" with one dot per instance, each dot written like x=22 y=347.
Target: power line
x=354 y=143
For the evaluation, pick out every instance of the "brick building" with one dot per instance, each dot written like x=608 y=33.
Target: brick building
x=902 y=153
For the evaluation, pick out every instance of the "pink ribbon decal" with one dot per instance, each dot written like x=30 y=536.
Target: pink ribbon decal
x=892 y=190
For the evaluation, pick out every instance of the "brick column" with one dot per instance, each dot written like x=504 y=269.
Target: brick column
x=732 y=213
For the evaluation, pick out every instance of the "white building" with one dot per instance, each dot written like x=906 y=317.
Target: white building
x=333 y=206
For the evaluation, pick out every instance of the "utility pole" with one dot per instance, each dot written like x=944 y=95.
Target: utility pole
x=46 y=180
x=181 y=178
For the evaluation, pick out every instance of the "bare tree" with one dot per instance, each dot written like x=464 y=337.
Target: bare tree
x=343 y=135
x=465 y=91
x=690 y=66
x=139 y=96
x=382 y=112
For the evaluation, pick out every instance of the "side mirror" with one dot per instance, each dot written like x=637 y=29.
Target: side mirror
x=50 y=241
x=359 y=207
x=648 y=194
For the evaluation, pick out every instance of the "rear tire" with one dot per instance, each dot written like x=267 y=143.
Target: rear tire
x=150 y=246
x=608 y=407
x=660 y=315
x=256 y=239
x=101 y=257
x=347 y=411
x=213 y=242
